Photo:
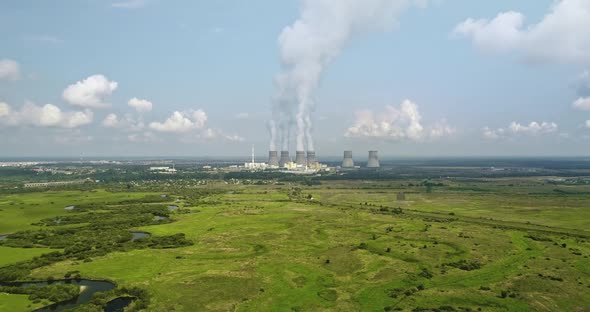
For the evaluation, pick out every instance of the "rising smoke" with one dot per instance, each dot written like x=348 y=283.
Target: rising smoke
x=322 y=30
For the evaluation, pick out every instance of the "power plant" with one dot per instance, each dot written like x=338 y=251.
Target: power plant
x=308 y=161
x=373 y=160
x=300 y=158
x=284 y=159
x=347 y=162
x=311 y=161
x=305 y=162
x=273 y=159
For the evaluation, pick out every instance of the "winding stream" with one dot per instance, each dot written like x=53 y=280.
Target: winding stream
x=87 y=289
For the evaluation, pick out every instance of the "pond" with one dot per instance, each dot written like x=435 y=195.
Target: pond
x=2 y=237
x=118 y=304
x=172 y=208
x=87 y=289
x=138 y=235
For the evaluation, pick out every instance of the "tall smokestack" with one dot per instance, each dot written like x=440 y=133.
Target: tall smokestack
x=347 y=161
x=311 y=158
x=300 y=158
x=284 y=158
x=273 y=159
x=373 y=160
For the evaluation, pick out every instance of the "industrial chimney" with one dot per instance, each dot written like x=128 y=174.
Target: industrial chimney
x=273 y=159
x=347 y=161
x=284 y=158
x=373 y=160
x=300 y=158
x=311 y=158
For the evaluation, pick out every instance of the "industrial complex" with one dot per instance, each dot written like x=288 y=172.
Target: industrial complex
x=305 y=162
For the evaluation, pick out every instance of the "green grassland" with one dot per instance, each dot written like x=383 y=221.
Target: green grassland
x=12 y=255
x=490 y=245
x=18 y=212
x=15 y=303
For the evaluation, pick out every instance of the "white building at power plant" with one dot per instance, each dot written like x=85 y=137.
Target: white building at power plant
x=163 y=169
x=253 y=165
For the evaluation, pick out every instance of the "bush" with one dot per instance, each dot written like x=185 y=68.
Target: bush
x=465 y=265
x=425 y=273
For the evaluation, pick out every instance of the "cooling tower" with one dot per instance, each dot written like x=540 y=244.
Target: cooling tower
x=347 y=161
x=300 y=158
x=311 y=158
x=373 y=160
x=273 y=159
x=284 y=158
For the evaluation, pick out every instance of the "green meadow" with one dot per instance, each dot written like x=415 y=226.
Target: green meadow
x=472 y=245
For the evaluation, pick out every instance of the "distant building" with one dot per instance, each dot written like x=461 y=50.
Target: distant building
x=255 y=166
x=163 y=169
x=56 y=183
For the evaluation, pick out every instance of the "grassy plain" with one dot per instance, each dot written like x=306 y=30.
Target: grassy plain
x=12 y=255
x=19 y=211
x=14 y=302
x=494 y=245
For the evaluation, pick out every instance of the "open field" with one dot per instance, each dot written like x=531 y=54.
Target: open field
x=494 y=245
x=17 y=212
x=10 y=302
x=13 y=255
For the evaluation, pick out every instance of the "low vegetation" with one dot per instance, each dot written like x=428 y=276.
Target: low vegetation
x=502 y=244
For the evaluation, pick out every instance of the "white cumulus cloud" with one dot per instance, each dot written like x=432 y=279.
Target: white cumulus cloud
x=588 y=124
x=90 y=92
x=234 y=138
x=111 y=121
x=9 y=70
x=181 y=122
x=126 y=123
x=47 y=115
x=582 y=103
x=141 y=106
x=562 y=36
x=403 y=123
x=441 y=129
x=532 y=129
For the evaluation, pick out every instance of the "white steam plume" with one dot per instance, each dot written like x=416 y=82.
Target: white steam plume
x=272 y=128
x=322 y=30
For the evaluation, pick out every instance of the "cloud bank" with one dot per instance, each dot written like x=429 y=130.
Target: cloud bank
x=514 y=129
x=396 y=124
x=47 y=115
x=562 y=36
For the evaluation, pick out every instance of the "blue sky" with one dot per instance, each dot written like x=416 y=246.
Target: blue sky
x=477 y=89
